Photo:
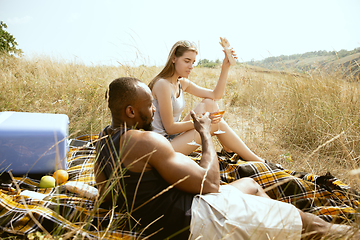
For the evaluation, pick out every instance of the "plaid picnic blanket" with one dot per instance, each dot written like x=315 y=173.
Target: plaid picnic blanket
x=325 y=196
x=61 y=213
x=67 y=214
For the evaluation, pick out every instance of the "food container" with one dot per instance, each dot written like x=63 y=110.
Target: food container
x=33 y=143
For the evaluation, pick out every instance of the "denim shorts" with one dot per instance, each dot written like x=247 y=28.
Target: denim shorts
x=171 y=137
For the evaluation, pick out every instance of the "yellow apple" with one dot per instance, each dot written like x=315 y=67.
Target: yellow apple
x=47 y=182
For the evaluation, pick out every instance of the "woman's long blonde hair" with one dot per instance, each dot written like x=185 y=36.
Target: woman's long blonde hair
x=177 y=50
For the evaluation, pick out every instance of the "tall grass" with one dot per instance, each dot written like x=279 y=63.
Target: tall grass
x=308 y=122
x=52 y=86
x=283 y=117
x=295 y=115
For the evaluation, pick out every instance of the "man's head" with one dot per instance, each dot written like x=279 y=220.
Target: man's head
x=130 y=102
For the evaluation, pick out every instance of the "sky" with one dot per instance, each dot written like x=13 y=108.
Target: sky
x=135 y=32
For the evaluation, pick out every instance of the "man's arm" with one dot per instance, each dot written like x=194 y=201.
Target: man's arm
x=209 y=160
x=174 y=166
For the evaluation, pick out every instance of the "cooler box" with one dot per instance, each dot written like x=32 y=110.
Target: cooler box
x=33 y=143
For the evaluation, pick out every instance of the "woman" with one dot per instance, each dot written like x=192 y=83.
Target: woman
x=167 y=89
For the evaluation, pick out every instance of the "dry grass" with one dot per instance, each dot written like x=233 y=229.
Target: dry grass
x=292 y=115
x=304 y=122
x=46 y=85
x=277 y=115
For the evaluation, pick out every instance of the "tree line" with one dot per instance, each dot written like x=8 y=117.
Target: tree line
x=8 y=45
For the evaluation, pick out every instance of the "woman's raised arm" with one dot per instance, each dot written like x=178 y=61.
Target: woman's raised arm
x=202 y=92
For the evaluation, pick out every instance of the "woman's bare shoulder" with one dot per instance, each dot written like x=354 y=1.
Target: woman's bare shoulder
x=161 y=86
x=161 y=81
x=184 y=82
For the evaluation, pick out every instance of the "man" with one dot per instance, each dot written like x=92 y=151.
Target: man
x=139 y=172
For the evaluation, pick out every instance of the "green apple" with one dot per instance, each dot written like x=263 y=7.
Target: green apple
x=47 y=182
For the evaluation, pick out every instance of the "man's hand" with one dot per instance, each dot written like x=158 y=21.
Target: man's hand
x=202 y=123
x=215 y=118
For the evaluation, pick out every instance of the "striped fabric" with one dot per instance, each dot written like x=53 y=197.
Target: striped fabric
x=324 y=196
x=64 y=213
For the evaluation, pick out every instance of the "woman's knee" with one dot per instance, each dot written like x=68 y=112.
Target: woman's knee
x=210 y=105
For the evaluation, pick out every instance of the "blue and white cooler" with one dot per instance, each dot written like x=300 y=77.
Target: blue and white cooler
x=33 y=143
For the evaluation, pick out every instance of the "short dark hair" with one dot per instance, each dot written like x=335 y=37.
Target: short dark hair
x=121 y=93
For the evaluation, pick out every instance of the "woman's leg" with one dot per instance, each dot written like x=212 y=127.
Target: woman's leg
x=180 y=142
x=229 y=140
x=232 y=141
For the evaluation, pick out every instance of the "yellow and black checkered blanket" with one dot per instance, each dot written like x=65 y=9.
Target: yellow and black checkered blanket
x=67 y=214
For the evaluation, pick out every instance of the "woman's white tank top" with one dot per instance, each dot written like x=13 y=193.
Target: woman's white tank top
x=178 y=104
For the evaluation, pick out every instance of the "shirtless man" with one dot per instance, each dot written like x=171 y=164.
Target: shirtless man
x=139 y=171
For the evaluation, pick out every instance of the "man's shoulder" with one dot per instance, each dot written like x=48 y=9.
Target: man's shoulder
x=120 y=134
x=139 y=140
x=148 y=141
x=145 y=136
x=141 y=143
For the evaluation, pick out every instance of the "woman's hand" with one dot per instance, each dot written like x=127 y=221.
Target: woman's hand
x=226 y=61
x=229 y=52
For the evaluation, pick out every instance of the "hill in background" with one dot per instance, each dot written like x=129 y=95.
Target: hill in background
x=345 y=62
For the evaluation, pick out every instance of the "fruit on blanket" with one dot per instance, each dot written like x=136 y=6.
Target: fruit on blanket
x=61 y=176
x=47 y=182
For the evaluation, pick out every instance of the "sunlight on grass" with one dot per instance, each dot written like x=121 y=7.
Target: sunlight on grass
x=307 y=122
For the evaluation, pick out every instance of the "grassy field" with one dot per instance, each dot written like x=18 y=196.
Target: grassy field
x=315 y=119
x=304 y=122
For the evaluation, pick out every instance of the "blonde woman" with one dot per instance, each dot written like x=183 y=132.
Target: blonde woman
x=168 y=88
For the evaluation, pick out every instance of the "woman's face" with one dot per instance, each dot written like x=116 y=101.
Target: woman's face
x=184 y=64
